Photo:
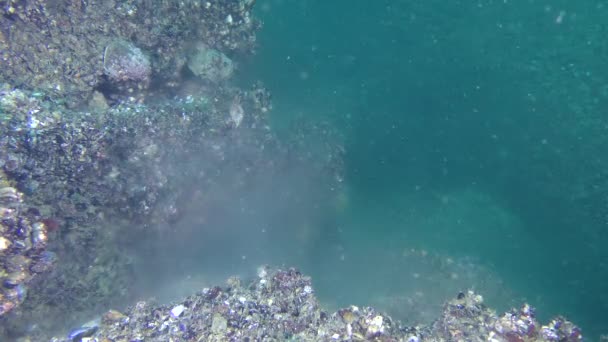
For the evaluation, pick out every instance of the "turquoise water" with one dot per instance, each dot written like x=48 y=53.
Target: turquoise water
x=475 y=143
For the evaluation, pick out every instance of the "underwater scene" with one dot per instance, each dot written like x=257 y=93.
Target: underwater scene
x=303 y=170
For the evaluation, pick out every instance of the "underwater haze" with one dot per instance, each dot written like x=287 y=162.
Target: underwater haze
x=475 y=144
x=400 y=153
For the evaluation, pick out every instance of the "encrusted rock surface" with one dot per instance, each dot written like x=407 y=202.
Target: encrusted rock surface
x=78 y=186
x=64 y=173
x=280 y=305
x=71 y=48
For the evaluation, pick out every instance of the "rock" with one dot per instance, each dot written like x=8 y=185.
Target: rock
x=219 y=324
x=123 y=61
x=210 y=64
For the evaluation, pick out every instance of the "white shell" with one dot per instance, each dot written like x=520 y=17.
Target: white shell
x=176 y=311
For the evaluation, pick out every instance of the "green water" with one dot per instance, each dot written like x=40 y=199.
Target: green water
x=475 y=134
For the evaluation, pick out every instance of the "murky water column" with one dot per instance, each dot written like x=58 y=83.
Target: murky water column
x=467 y=128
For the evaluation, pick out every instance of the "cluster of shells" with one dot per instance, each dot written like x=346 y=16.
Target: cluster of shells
x=72 y=49
x=23 y=240
x=466 y=316
x=281 y=305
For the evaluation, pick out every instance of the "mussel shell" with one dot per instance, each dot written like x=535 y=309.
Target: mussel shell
x=17 y=263
x=9 y=195
x=6 y=213
x=6 y=306
x=14 y=279
x=4 y=243
x=16 y=294
x=39 y=236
